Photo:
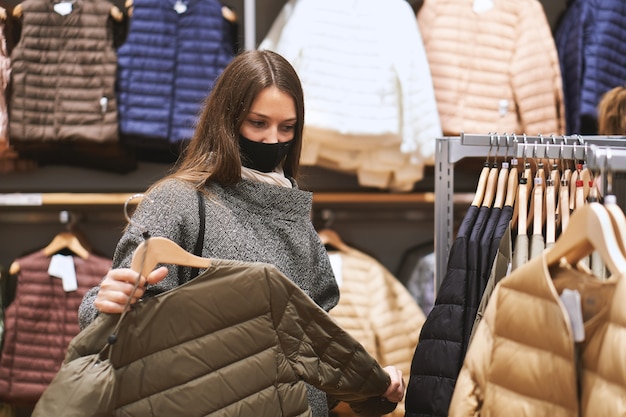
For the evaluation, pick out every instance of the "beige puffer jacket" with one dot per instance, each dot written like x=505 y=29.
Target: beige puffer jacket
x=379 y=312
x=494 y=69
x=239 y=340
x=522 y=360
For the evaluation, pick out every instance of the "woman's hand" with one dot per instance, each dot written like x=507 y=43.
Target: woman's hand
x=395 y=390
x=117 y=286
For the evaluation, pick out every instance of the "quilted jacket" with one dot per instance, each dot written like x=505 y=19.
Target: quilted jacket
x=63 y=74
x=380 y=122
x=40 y=322
x=592 y=53
x=240 y=340
x=439 y=354
x=494 y=69
x=523 y=359
x=378 y=311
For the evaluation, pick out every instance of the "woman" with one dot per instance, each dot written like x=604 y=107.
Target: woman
x=244 y=158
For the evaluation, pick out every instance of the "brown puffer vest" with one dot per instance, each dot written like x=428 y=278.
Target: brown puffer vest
x=63 y=74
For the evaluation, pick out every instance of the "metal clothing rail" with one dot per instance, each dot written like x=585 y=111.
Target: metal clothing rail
x=599 y=151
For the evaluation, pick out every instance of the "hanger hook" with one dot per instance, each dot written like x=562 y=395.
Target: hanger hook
x=129 y=218
x=506 y=152
x=490 y=147
x=497 y=138
x=328 y=215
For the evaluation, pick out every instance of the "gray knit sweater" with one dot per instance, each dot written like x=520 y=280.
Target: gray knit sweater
x=250 y=221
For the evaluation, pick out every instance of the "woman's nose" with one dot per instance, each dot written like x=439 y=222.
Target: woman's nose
x=272 y=136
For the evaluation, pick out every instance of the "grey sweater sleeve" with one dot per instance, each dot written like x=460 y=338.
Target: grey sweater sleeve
x=170 y=210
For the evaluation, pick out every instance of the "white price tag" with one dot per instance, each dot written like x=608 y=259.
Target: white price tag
x=336 y=263
x=571 y=301
x=64 y=8
x=482 y=6
x=62 y=266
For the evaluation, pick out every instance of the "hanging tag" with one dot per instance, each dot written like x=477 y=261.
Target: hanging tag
x=482 y=6
x=180 y=7
x=571 y=301
x=336 y=264
x=64 y=8
x=503 y=107
x=62 y=266
x=104 y=103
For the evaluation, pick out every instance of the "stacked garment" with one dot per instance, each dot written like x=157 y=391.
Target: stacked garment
x=369 y=96
x=173 y=53
x=378 y=311
x=592 y=49
x=494 y=66
x=42 y=319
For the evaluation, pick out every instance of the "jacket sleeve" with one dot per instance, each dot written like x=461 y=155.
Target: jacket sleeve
x=468 y=393
x=319 y=351
x=169 y=210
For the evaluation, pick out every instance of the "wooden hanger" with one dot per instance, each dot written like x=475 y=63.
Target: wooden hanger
x=160 y=250
x=66 y=241
x=589 y=229
x=511 y=187
x=501 y=188
x=331 y=238
x=563 y=203
x=62 y=241
x=573 y=178
x=521 y=202
x=533 y=183
x=550 y=211
x=618 y=219
x=537 y=205
x=522 y=206
x=490 y=186
x=482 y=184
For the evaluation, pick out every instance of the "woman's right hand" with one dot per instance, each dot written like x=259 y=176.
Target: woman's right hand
x=117 y=286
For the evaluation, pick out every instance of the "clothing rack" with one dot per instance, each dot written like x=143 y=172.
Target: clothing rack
x=600 y=152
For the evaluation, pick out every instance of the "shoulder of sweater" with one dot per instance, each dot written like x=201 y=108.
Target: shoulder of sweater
x=170 y=193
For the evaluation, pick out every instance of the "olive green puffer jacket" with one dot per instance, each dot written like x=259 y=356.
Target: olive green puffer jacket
x=240 y=340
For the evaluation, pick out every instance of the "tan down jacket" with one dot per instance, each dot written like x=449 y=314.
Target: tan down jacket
x=522 y=359
x=239 y=340
x=378 y=311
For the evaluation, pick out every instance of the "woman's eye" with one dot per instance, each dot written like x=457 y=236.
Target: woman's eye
x=288 y=128
x=257 y=123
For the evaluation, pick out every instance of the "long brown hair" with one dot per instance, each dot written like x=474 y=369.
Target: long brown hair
x=213 y=153
x=612 y=112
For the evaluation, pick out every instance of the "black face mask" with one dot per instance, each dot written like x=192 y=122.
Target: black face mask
x=263 y=157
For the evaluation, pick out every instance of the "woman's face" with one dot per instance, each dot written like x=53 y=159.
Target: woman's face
x=272 y=117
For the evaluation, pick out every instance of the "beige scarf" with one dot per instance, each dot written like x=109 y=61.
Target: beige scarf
x=276 y=177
